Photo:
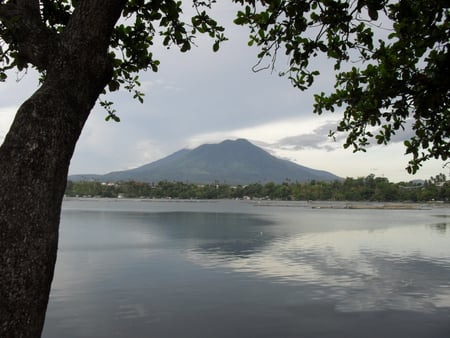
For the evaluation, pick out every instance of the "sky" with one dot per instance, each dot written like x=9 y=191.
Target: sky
x=204 y=97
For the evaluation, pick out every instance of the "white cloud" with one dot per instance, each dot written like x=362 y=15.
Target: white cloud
x=266 y=133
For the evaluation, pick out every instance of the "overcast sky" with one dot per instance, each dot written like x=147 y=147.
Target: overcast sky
x=205 y=97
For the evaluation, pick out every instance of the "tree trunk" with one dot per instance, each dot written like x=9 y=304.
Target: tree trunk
x=34 y=162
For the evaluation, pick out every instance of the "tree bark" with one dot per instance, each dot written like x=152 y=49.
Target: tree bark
x=35 y=157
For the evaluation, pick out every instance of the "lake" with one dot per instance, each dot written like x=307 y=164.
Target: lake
x=146 y=268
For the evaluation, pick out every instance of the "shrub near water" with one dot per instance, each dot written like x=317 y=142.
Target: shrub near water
x=368 y=188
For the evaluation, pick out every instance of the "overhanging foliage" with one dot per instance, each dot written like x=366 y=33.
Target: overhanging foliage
x=399 y=80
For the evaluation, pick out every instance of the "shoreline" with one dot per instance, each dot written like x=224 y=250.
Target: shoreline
x=338 y=205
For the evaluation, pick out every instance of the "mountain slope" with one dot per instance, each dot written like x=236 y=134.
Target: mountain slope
x=232 y=162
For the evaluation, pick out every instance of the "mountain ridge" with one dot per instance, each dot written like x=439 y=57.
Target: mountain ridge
x=230 y=161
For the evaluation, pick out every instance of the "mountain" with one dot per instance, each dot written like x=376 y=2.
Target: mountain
x=231 y=162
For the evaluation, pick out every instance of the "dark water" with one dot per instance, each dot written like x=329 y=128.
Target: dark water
x=241 y=269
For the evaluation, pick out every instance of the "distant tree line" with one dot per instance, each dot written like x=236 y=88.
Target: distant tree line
x=368 y=188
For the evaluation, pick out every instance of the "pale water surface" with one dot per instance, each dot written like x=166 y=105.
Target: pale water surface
x=246 y=269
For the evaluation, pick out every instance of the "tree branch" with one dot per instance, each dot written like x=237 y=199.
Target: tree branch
x=26 y=32
x=104 y=13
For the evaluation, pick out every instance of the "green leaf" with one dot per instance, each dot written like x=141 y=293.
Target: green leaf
x=373 y=13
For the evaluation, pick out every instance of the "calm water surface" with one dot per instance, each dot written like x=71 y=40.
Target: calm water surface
x=242 y=269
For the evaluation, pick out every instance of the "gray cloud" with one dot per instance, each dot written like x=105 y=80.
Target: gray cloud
x=317 y=139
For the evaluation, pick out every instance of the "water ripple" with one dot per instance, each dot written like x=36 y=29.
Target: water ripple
x=361 y=270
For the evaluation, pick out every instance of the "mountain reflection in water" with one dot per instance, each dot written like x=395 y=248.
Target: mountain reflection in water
x=361 y=270
x=237 y=269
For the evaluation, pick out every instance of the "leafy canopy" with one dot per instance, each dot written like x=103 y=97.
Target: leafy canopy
x=384 y=85
x=391 y=57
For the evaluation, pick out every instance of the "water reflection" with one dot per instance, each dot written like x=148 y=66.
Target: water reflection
x=228 y=269
x=440 y=227
x=386 y=269
x=205 y=225
x=230 y=234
